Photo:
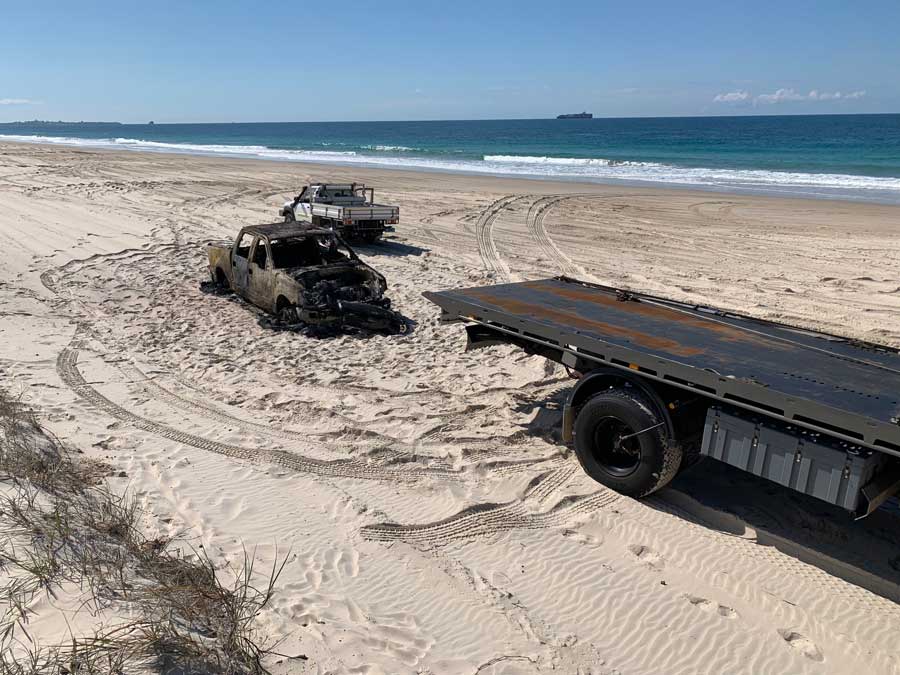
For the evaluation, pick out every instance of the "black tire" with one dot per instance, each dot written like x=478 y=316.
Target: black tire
x=621 y=443
x=289 y=216
x=370 y=237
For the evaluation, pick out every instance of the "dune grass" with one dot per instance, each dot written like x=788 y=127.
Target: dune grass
x=61 y=525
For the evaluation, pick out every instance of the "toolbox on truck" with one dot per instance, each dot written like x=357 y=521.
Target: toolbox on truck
x=802 y=460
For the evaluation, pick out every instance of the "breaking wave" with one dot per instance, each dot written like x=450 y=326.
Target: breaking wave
x=389 y=148
x=257 y=151
x=566 y=168
x=598 y=168
x=558 y=161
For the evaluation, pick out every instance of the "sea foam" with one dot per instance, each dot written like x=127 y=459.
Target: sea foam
x=569 y=168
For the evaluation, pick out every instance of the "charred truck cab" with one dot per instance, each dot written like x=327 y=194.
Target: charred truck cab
x=661 y=384
x=303 y=275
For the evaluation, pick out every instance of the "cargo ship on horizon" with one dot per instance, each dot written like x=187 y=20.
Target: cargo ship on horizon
x=576 y=116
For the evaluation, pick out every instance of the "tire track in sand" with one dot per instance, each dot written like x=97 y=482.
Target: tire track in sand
x=387 y=464
x=484 y=233
x=486 y=519
x=385 y=449
x=51 y=278
x=206 y=410
x=67 y=368
x=535 y=222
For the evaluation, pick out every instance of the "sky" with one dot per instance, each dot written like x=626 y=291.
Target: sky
x=205 y=61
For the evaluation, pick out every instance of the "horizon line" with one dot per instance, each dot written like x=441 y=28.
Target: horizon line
x=478 y=119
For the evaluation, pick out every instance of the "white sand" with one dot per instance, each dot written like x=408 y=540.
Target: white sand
x=509 y=560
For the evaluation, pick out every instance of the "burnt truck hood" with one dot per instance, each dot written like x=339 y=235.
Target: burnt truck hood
x=345 y=274
x=330 y=285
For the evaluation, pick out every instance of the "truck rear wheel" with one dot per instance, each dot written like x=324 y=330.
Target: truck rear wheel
x=370 y=237
x=289 y=216
x=621 y=443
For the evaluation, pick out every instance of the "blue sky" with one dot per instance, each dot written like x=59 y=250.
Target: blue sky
x=348 y=60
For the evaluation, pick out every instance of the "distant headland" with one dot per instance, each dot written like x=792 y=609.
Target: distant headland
x=58 y=123
x=576 y=116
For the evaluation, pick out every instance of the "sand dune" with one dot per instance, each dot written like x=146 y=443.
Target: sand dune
x=434 y=522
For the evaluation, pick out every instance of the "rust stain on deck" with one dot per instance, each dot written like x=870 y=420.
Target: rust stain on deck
x=543 y=311
x=650 y=311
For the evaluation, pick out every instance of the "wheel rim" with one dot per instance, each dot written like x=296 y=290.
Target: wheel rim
x=617 y=448
x=287 y=314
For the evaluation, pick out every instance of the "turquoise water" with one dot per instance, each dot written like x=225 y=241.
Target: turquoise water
x=847 y=156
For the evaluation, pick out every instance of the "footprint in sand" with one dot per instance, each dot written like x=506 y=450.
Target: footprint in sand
x=583 y=538
x=711 y=607
x=327 y=565
x=802 y=644
x=647 y=555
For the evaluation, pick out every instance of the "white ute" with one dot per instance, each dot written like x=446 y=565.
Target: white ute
x=347 y=208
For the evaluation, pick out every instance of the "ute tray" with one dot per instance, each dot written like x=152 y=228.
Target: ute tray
x=841 y=387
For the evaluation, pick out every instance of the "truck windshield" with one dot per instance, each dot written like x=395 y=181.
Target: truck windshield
x=305 y=252
x=296 y=252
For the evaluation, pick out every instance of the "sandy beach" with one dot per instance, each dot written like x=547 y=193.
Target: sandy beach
x=432 y=519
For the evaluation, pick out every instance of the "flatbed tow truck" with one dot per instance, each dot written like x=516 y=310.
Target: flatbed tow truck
x=662 y=383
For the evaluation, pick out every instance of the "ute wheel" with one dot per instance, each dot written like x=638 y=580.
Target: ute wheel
x=221 y=281
x=621 y=443
x=371 y=237
x=289 y=217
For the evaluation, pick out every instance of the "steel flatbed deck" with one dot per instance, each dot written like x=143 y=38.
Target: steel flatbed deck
x=846 y=389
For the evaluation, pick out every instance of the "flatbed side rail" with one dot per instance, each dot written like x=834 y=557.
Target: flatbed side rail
x=574 y=349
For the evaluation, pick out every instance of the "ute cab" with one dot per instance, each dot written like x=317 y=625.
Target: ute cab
x=347 y=194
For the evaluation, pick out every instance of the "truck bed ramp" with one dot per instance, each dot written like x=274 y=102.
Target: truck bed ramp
x=847 y=389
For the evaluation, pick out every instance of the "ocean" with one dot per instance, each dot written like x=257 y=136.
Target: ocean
x=839 y=156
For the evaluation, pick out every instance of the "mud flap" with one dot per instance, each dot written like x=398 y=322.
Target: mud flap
x=568 y=423
x=879 y=490
x=481 y=336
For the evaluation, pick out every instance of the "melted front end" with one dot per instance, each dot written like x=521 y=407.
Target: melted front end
x=328 y=285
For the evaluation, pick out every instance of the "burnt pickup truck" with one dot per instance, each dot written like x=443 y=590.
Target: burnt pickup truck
x=661 y=384
x=303 y=275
